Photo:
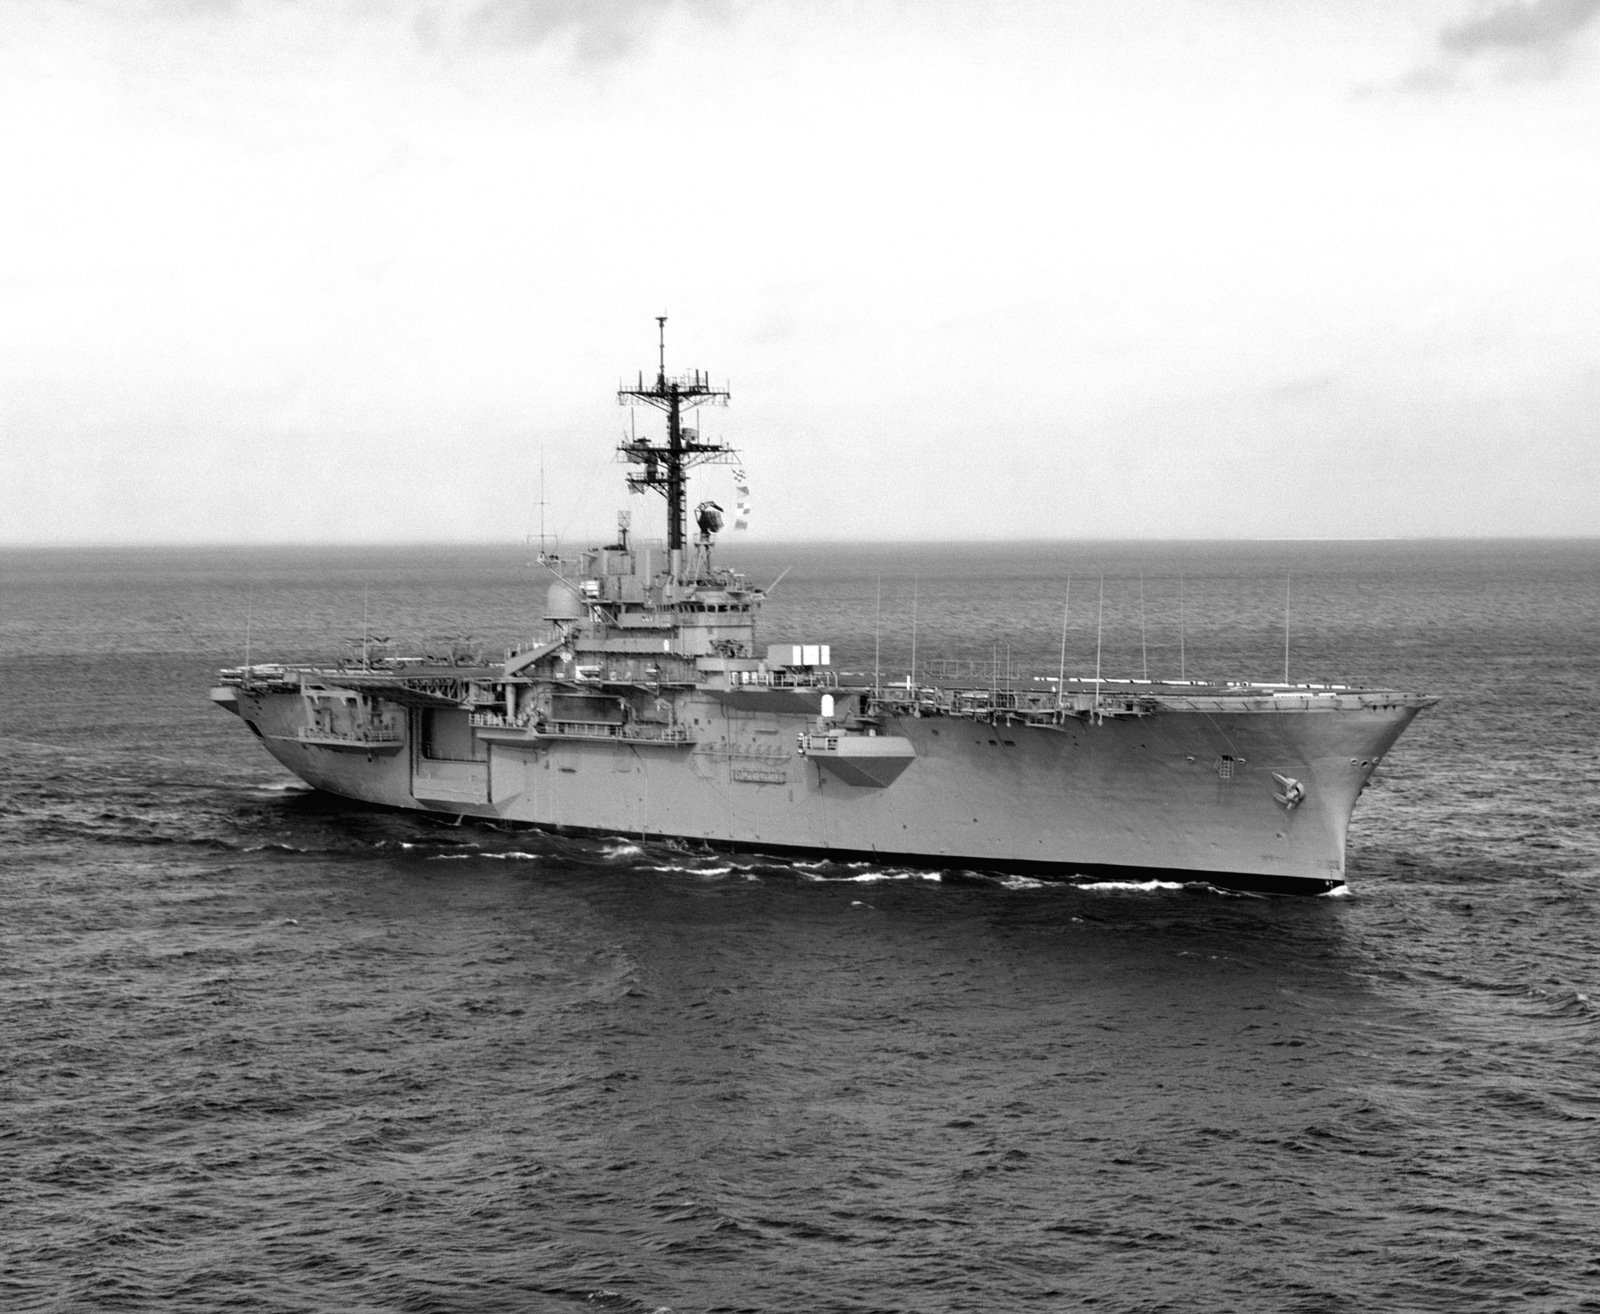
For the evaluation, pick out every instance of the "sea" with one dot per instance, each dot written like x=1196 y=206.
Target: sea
x=266 y=1050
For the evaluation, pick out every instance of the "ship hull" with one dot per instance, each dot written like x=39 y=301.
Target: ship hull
x=1199 y=791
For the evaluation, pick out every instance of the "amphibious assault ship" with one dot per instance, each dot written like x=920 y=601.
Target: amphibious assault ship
x=647 y=708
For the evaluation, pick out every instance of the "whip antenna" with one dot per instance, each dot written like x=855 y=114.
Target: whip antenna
x=1286 y=627
x=1061 y=671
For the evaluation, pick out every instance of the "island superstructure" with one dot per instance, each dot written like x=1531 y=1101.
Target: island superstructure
x=647 y=708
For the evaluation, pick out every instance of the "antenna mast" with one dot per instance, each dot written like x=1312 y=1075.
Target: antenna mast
x=1061 y=671
x=915 y=580
x=877 y=637
x=1099 y=633
x=1183 y=666
x=665 y=464
x=1286 y=627
x=1144 y=651
x=542 y=553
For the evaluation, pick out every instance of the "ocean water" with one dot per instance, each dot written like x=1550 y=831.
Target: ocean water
x=265 y=1050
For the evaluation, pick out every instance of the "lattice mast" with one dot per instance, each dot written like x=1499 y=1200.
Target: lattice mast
x=665 y=465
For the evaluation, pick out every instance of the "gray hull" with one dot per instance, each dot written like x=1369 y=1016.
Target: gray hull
x=1194 y=787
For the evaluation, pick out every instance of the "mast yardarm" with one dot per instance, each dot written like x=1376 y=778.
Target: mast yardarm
x=666 y=464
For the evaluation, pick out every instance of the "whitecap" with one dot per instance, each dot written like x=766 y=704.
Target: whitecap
x=881 y=876
x=614 y=851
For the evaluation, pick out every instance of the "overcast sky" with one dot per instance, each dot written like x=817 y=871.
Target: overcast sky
x=347 y=271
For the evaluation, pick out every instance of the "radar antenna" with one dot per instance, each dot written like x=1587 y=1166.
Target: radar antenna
x=666 y=464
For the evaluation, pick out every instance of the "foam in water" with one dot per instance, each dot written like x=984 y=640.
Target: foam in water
x=876 y=877
x=512 y=855
x=614 y=852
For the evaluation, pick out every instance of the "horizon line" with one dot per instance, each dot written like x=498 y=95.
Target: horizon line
x=242 y=545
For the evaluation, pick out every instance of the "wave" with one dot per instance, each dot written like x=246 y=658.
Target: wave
x=510 y=855
x=625 y=849
x=1564 y=1003
x=873 y=877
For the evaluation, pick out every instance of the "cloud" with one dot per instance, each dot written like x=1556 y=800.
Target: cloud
x=1528 y=38
x=599 y=31
x=1542 y=25
x=1307 y=389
